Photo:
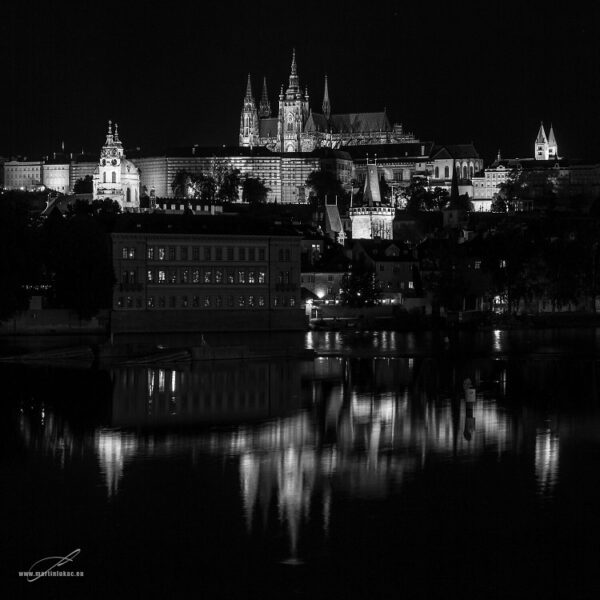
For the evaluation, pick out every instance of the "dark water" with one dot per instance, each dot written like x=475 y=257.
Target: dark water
x=342 y=477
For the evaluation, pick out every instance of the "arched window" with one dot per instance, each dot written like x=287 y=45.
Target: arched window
x=104 y=177
x=465 y=172
x=446 y=171
x=128 y=195
x=114 y=177
x=471 y=170
x=437 y=172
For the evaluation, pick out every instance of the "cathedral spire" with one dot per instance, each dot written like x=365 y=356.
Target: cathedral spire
x=294 y=83
x=116 y=132
x=264 y=110
x=249 y=89
x=551 y=138
x=326 y=103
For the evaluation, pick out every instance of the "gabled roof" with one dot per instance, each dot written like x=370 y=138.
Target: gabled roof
x=454 y=151
x=316 y=122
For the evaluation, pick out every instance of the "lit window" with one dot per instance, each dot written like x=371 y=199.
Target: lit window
x=241 y=277
x=230 y=276
x=131 y=253
x=261 y=300
x=206 y=301
x=218 y=276
x=411 y=285
x=184 y=302
x=241 y=301
x=172 y=276
x=261 y=277
x=207 y=276
x=150 y=253
x=120 y=302
x=478 y=264
x=292 y=301
x=162 y=276
x=162 y=253
x=185 y=276
x=150 y=302
x=124 y=253
x=250 y=300
x=196 y=276
x=251 y=277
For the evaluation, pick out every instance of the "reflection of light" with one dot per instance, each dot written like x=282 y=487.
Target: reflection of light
x=113 y=448
x=546 y=461
x=497 y=341
x=161 y=380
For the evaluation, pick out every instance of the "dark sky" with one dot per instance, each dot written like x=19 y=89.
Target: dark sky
x=174 y=76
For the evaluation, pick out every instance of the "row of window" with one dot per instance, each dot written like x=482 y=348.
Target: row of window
x=198 y=253
x=203 y=302
x=206 y=275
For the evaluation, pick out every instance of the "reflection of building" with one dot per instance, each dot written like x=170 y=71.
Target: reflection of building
x=115 y=177
x=221 y=391
x=207 y=273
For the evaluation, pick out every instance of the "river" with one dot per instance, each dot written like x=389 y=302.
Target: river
x=362 y=473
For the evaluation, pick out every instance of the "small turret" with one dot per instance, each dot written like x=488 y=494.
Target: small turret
x=264 y=110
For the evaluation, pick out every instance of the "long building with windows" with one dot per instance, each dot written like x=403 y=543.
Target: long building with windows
x=183 y=273
x=284 y=174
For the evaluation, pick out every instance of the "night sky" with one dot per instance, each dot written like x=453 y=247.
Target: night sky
x=176 y=76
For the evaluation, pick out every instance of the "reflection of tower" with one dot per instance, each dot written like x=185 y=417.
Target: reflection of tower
x=113 y=449
x=546 y=460
x=372 y=219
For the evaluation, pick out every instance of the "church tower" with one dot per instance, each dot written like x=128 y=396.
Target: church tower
x=116 y=178
x=372 y=219
x=541 y=144
x=552 y=145
x=264 y=110
x=293 y=112
x=249 y=119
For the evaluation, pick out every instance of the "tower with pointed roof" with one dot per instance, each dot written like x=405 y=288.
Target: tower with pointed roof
x=264 y=109
x=249 y=119
x=293 y=112
x=372 y=219
x=115 y=177
x=552 y=145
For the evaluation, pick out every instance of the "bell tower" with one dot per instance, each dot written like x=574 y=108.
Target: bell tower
x=293 y=112
x=249 y=119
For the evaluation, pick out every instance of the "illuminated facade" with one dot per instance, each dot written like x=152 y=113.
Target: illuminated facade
x=115 y=177
x=218 y=272
x=372 y=219
x=297 y=128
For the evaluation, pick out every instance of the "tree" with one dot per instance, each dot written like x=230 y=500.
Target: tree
x=359 y=286
x=512 y=191
x=324 y=183
x=499 y=204
x=254 y=191
x=19 y=258
x=182 y=183
x=84 y=185
x=229 y=185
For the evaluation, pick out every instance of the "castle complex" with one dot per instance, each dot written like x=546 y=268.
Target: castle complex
x=296 y=128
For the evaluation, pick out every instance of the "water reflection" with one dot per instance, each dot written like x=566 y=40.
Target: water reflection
x=300 y=434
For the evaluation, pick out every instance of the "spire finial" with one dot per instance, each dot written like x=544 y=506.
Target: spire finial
x=294 y=68
x=116 y=132
x=109 y=127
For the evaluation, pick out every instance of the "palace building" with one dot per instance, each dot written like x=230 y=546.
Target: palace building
x=296 y=128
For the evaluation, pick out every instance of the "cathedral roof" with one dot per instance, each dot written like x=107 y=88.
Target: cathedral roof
x=455 y=151
x=360 y=122
x=408 y=150
x=267 y=127
x=316 y=122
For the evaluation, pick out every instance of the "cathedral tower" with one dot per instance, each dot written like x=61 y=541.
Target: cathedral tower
x=249 y=119
x=293 y=112
x=264 y=110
